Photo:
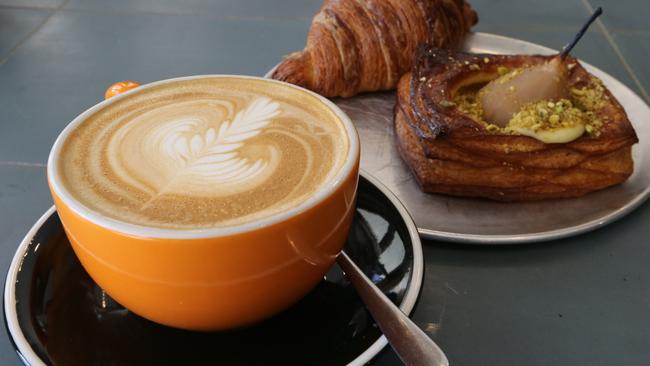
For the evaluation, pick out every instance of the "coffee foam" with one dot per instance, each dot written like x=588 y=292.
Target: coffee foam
x=203 y=153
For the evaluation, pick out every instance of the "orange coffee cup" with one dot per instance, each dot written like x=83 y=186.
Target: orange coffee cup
x=216 y=278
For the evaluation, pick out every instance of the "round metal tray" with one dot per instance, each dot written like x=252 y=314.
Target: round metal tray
x=479 y=221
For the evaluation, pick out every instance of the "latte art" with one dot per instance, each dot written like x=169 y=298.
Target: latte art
x=203 y=153
x=190 y=154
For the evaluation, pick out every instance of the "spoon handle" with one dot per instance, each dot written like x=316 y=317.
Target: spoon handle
x=410 y=343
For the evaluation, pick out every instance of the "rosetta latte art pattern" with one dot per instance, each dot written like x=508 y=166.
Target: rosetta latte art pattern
x=190 y=157
x=202 y=158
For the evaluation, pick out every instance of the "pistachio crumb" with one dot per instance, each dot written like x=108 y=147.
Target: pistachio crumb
x=542 y=112
x=486 y=60
x=474 y=67
x=548 y=116
x=577 y=91
x=502 y=70
x=492 y=128
x=446 y=103
x=590 y=97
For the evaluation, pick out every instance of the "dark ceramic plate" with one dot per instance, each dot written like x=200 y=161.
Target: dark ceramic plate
x=57 y=315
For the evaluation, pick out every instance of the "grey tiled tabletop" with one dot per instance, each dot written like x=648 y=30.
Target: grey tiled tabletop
x=582 y=300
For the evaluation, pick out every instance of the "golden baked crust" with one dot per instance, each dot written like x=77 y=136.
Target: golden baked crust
x=450 y=152
x=356 y=46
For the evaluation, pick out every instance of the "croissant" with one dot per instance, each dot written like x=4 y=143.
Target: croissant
x=356 y=46
x=450 y=150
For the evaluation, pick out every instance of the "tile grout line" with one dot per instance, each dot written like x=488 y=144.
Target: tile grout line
x=30 y=34
x=27 y=7
x=637 y=32
x=619 y=54
x=551 y=28
x=172 y=13
x=22 y=164
x=535 y=27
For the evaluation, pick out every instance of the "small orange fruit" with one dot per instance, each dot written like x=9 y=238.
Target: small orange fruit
x=120 y=87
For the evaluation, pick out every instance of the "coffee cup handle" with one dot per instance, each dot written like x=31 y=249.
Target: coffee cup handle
x=119 y=88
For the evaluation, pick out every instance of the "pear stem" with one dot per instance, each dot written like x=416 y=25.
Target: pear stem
x=566 y=49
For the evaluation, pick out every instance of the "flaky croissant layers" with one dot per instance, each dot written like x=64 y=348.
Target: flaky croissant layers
x=356 y=46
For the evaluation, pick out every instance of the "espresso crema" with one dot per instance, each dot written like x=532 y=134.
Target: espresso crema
x=203 y=153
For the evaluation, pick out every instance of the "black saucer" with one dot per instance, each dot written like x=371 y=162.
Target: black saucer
x=55 y=314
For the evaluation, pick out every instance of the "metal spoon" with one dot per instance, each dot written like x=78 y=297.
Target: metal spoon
x=410 y=343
